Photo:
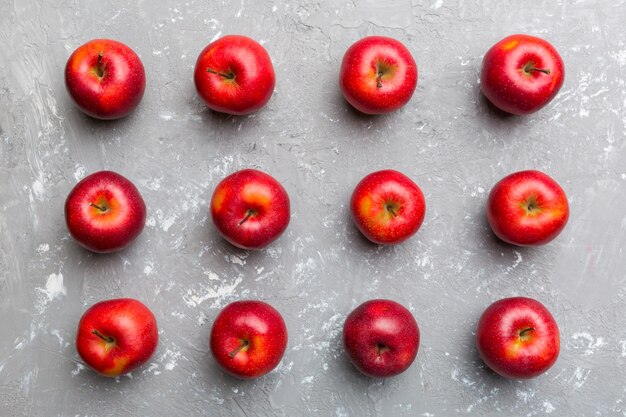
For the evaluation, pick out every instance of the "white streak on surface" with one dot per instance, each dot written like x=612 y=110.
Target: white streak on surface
x=79 y=173
x=216 y=36
x=341 y=412
x=236 y=260
x=579 y=377
x=620 y=57
x=587 y=341
x=171 y=358
x=194 y=298
x=518 y=260
x=54 y=288
x=165 y=221
x=240 y=11
x=548 y=407
x=38 y=189
x=79 y=367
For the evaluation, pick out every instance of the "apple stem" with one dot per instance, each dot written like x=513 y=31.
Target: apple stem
x=391 y=210
x=531 y=67
x=107 y=339
x=249 y=213
x=99 y=66
x=525 y=332
x=98 y=207
x=379 y=82
x=229 y=76
x=243 y=345
x=544 y=70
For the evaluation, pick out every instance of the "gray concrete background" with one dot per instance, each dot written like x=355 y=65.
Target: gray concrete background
x=448 y=139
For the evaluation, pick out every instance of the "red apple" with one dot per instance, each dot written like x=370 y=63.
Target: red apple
x=381 y=338
x=387 y=207
x=250 y=209
x=248 y=338
x=105 y=78
x=518 y=338
x=234 y=75
x=116 y=336
x=521 y=74
x=527 y=208
x=378 y=75
x=104 y=212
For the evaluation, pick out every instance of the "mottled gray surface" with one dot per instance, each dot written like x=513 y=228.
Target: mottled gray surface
x=447 y=139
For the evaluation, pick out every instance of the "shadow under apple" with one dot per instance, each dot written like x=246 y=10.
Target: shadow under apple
x=353 y=118
x=342 y=362
x=501 y=252
x=481 y=238
x=219 y=245
x=101 y=129
x=493 y=117
x=232 y=127
x=99 y=261
x=474 y=362
x=359 y=243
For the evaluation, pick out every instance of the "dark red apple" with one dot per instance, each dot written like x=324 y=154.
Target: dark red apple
x=518 y=338
x=234 y=75
x=527 y=208
x=104 y=212
x=105 y=78
x=116 y=336
x=521 y=74
x=387 y=207
x=378 y=75
x=381 y=338
x=250 y=209
x=248 y=338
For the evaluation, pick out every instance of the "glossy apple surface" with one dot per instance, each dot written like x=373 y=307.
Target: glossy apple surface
x=105 y=78
x=234 y=75
x=521 y=74
x=518 y=338
x=381 y=338
x=105 y=212
x=378 y=75
x=248 y=338
x=387 y=207
x=116 y=336
x=527 y=208
x=250 y=209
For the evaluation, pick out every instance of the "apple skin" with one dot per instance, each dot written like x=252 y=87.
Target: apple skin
x=521 y=74
x=116 y=336
x=508 y=348
x=250 y=209
x=527 y=208
x=378 y=75
x=248 y=338
x=381 y=338
x=115 y=219
x=234 y=75
x=387 y=207
x=117 y=90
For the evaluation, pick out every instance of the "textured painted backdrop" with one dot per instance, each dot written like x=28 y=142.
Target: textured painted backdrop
x=447 y=138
